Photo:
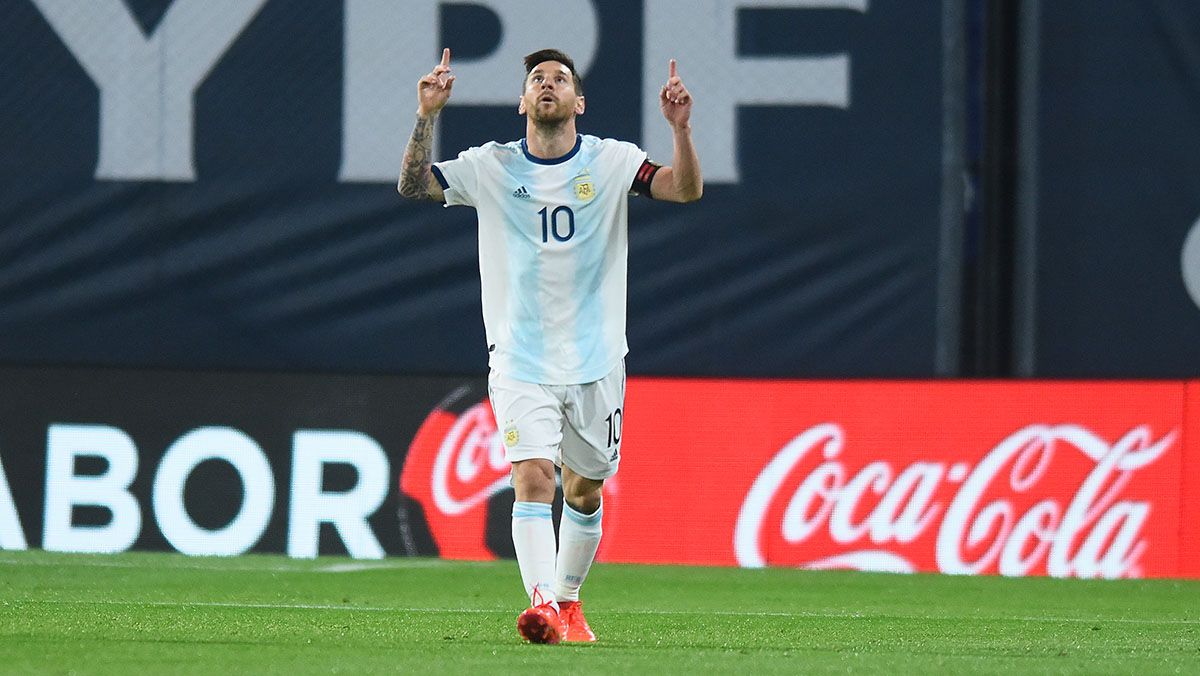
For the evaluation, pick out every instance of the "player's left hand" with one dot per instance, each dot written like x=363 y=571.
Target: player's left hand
x=675 y=101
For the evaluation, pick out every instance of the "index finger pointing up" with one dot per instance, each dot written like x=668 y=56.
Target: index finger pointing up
x=446 y=57
x=672 y=72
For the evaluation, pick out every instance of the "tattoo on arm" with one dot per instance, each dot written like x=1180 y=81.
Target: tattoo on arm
x=418 y=158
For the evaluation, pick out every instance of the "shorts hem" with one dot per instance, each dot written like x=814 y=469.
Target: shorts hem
x=607 y=474
x=531 y=454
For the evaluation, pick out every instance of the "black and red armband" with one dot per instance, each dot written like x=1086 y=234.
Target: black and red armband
x=643 y=177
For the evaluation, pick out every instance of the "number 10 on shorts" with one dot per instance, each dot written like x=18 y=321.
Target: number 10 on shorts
x=614 y=427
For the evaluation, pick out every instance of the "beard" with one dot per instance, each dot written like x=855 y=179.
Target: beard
x=550 y=117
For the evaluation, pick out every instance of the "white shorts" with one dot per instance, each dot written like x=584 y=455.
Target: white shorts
x=574 y=425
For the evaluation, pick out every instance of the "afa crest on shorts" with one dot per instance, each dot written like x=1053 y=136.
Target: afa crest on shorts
x=585 y=190
x=511 y=435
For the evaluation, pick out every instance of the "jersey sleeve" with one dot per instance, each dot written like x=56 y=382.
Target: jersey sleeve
x=633 y=168
x=634 y=157
x=459 y=177
x=625 y=159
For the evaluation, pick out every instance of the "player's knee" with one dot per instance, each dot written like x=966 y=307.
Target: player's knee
x=585 y=504
x=533 y=480
x=582 y=494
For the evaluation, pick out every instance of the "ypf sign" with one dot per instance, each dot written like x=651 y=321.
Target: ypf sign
x=148 y=79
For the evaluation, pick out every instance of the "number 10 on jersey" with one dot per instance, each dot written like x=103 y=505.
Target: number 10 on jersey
x=559 y=223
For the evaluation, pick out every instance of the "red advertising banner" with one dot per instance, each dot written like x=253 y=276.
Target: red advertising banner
x=1189 y=514
x=1069 y=479
x=1063 y=479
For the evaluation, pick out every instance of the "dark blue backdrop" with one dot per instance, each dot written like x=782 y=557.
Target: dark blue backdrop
x=1118 y=190
x=821 y=261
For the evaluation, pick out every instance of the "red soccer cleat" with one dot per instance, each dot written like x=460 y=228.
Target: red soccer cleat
x=541 y=624
x=578 y=630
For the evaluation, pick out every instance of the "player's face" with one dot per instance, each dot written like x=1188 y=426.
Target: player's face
x=550 y=96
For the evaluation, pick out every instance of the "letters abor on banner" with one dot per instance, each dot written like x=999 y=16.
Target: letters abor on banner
x=207 y=463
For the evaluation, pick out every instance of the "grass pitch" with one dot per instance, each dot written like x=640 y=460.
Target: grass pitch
x=164 y=613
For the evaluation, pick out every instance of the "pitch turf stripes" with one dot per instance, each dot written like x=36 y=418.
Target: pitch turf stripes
x=159 y=613
x=616 y=611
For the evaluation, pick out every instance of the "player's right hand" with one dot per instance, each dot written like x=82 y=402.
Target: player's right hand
x=433 y=90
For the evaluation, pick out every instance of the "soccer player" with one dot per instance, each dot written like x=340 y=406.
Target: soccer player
x=553 y=244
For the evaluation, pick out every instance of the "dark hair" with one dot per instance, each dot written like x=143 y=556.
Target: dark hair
x=544 y=55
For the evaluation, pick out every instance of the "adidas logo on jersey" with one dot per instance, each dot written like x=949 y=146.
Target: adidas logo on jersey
x=521 y=193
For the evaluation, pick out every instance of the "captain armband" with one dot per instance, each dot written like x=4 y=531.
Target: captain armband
x=643 y=177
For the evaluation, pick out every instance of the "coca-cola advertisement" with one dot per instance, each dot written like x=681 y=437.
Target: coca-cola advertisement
x=1067 y=479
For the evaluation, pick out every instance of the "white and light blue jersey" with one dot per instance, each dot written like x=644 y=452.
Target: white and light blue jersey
x=553 y=250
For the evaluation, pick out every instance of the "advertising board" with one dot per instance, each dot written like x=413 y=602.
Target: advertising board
x=1067 y=479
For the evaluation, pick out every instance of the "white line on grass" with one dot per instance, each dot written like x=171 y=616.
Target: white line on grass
x=222 y=565
x=358 y=567
x=615 y=611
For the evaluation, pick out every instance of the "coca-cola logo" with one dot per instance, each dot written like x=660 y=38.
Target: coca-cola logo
x=1008 y=513
x=469 y=466
x=454 y=468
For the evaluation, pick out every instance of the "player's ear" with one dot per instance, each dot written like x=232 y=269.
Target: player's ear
x=579 y=105
x=521 y=106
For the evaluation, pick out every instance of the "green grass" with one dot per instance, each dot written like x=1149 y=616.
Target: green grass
x=163 y=613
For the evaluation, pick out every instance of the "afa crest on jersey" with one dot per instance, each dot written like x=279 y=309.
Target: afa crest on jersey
x=585 y=190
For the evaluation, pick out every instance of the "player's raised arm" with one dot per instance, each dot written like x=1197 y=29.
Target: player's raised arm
x=433 y=90
x=680 y=182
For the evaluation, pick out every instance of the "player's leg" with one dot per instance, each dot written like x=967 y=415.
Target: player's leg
x=579 y=532
x=530 y=421
x=591 y=449
x=579 y=535
x=533 y=527
x=533 y=540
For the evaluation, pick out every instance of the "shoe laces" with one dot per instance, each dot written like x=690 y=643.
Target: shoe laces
x=571 y=612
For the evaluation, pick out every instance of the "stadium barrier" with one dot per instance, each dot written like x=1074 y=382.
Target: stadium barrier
x=1068 y=479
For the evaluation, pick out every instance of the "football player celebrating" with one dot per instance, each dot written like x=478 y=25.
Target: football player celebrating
x=553 y=245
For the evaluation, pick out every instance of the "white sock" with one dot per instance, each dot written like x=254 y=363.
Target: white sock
x=579 y=537
x=533 y=538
